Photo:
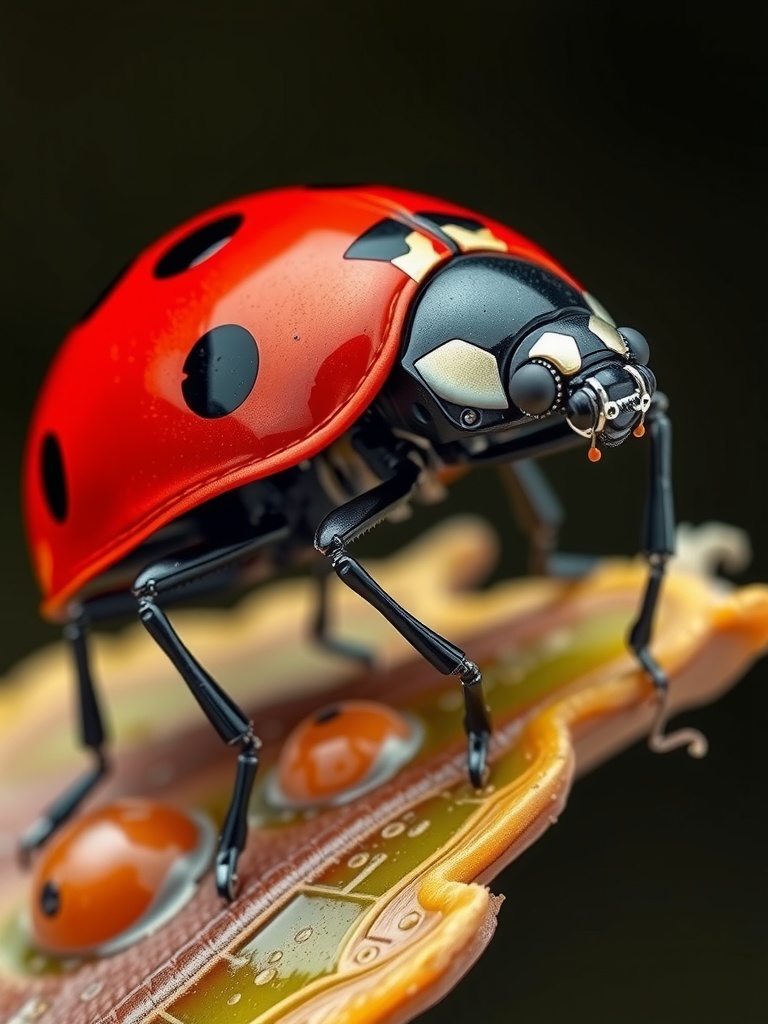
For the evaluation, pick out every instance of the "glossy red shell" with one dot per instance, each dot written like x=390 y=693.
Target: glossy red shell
x=328 y=330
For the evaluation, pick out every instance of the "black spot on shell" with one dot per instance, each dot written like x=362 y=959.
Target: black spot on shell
x=327 y=715
x=198 y=246
x=384 y=241
x=50 y=899
x=53 y=477
x=220 y=371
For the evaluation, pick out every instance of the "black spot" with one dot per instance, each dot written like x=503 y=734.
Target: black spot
x=50 y=899
x=327 y=715
x=195 y=248
x=220 y=371
x=441 y=219
x=384 y=241
x=54 y=479
x=106 y=292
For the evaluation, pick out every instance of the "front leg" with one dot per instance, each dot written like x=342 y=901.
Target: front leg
x=659 y=546
x=342 y=526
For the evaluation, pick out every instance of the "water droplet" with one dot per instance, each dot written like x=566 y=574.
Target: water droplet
x=419 y=828
x=357 y=860
x=91 y=991
x=409 y=921
x=303 y=935
x=394 y=828
x=265 y=976
x=233 y=999
x=276 y=957
x=31 y=1010
x=366 y=954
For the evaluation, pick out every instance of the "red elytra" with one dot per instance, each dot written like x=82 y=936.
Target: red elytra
x=134 y=456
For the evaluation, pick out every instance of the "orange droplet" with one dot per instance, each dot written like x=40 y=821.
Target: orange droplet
x=639 y=430
x=344 y=747
x=100 y=874
x=594 y=455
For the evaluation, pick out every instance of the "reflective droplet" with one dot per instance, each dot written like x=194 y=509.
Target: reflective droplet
x=275 y=957
x=233 y=999
x=409 y=921
x=395 y=828
x=357 y=860
x=265 y=976
x=366 y=954
x=303 y=935
x=419 y=828
x=91 y=991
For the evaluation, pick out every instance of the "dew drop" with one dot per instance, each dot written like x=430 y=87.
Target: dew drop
x=409 y=921
x=419 y=828
x=265 y=976
x=366 y=954
x=91 y=991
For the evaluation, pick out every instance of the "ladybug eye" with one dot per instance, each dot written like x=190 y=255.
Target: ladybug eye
x=534 y=388
x=198 y=246
x=340 y=752
x=114 y=875
x=637 y=345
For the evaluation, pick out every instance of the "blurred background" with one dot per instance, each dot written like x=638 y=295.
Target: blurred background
x=629 y=140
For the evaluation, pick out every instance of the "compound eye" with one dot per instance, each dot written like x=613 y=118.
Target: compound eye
x=340 y=752
x=534 y=388
x=111 y=877
x=636 y=344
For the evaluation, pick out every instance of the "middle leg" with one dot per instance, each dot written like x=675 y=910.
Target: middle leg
x=344 y=524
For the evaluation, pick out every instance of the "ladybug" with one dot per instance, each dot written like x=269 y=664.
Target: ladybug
x=274 y=377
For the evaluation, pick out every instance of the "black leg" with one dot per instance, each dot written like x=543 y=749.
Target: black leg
x=342 y=526
x=320 y=631
x=659 y=545
x=224 y=714
x=536 y=510
x=227 y=718
x=232 y=725
x=539 y=514
x=92 y=736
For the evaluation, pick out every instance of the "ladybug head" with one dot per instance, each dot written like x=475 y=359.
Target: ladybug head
x=495 y=342
x=580 y=366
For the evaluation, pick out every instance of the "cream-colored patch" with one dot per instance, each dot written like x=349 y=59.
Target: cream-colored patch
x=609 y=336
x=464 y=374
x=419 y=259
x=559 y=349
x=468 y=240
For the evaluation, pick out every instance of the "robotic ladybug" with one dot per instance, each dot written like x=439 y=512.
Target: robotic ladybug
x=278 y=375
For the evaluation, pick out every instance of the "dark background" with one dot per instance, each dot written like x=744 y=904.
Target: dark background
x=629 y=140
